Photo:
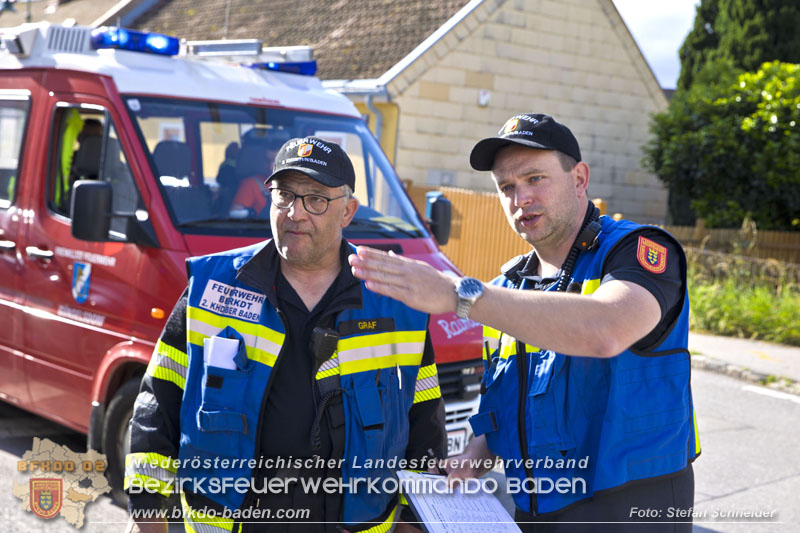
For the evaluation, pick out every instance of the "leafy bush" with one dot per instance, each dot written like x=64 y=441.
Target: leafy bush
x=731 y=143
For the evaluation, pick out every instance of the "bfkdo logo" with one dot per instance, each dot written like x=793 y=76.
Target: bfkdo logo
x=46 y=496
x=304 y=150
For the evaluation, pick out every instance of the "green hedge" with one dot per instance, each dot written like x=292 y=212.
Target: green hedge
x=740 y=308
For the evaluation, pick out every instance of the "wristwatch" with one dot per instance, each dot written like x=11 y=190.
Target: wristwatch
x=468 y=291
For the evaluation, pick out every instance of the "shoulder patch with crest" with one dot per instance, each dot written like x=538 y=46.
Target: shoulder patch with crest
x=651 y=255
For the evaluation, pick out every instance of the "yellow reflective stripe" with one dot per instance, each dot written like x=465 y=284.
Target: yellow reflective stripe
x=199 y=522
x=696 y=435
x=255 y=354
x=243 y=327
x=387 y=361
x=429 y=394
x=151 y=471
x=262 y=344
x=328 y=368
x=491 y=339
x=173 y=353
x=327 y=373
x=380 y=350
x=169 y=364
x=589 y=286
x=508 y=347
x=167 y=375
x=490 y=333
x=156 y=460
x=384 y=527
x=378 y=339
x=149 y=484
x=427 y=385
x=426 y=372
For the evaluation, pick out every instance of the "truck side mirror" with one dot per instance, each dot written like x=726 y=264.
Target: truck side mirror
x=91 y=216
x=438 y=211
x=91 y=210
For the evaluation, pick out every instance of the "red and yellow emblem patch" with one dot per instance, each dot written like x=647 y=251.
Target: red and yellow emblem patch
x=651 y=255
x=304 y=150
x=511 y=125
x=46 y=496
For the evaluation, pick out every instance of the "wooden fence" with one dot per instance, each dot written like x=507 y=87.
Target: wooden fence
x=481 y=239
x=751 y=242
x=709 y=265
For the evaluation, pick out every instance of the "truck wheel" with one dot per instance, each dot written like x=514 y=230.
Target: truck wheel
x=116 y=437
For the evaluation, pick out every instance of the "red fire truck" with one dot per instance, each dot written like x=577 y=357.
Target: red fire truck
x=169 y=128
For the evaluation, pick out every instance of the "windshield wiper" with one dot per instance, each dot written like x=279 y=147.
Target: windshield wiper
x=386 y=228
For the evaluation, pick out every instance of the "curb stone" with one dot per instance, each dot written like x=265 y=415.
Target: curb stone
x=704 y=362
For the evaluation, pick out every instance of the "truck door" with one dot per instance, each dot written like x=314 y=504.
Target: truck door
x=79 y=293
x=14 y=111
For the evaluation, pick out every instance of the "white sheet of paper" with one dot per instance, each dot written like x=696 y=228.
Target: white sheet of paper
x=458 y=512
x=219 y=352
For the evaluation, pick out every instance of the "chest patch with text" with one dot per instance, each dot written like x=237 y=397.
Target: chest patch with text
x=370 y=325
x=232 y=301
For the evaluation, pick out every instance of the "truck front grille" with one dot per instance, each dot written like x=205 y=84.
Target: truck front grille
x=460 y=381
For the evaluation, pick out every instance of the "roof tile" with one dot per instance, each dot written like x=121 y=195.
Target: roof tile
x=352 y=39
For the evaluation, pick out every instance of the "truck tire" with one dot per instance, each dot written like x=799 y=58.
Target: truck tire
x=116 y=441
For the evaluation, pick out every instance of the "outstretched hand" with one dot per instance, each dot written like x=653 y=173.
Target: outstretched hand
x=415 y=283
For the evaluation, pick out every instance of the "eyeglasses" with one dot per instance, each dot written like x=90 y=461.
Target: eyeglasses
x=316 y=204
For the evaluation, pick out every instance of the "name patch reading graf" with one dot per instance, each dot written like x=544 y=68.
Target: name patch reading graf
x=367 y=325
x=232 y=301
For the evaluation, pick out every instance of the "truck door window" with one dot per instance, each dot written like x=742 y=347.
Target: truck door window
x=88 y=148
x=77 y=153
x=13 y=117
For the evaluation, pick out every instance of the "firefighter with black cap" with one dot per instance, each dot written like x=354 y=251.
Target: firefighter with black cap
x=586 y=394
x=278 y=366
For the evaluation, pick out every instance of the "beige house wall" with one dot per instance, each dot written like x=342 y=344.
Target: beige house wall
x=573 y=59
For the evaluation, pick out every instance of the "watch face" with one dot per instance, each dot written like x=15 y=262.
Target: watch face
x=469 y=288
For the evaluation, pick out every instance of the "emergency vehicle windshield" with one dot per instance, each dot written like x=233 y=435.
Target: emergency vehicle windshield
x=211 y=159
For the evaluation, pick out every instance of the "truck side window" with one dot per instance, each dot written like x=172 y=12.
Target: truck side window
x=77 y=153
x=13 y=117
x=88 y=148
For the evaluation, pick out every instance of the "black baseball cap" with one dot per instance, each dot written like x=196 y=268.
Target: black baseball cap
x=322 y=161
x=534 y=130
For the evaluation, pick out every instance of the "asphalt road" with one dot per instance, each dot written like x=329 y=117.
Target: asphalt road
x=750 y=462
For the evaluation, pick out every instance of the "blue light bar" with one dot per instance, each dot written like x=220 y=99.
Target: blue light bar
x=135 y=41
x=305 y=68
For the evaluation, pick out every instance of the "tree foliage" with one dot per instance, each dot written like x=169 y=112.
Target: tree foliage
x=744 y=32
x=731 y=143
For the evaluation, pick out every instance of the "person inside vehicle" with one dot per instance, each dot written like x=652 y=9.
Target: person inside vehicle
x=253 y=165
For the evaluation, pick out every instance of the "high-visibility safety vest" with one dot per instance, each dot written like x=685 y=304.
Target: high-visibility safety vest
x=590 y=424
x=379 y=372
x=74 y=125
